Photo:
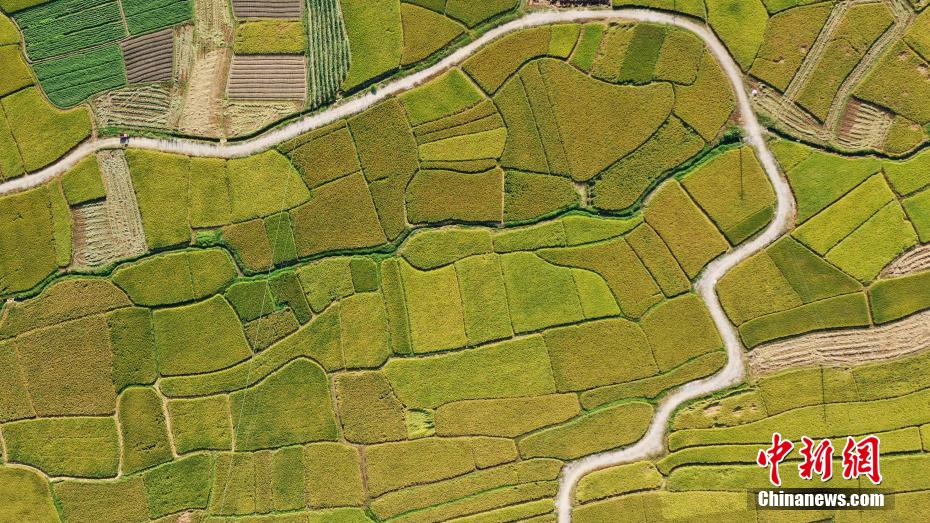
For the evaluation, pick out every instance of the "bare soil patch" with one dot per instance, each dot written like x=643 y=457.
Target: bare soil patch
x=149 y=58
x=268 y=77
x=289 y=9
x=914 y=260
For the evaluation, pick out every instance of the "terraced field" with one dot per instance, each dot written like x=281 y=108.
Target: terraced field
x=561 y=274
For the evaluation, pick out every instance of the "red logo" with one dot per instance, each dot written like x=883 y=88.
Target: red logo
x=859 y=458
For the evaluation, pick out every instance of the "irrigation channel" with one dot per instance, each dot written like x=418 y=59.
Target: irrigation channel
x=652 y=443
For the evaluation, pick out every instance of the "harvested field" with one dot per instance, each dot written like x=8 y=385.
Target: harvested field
x=245 y=117
x=268 y=77
x=845 y=347
x=914 y=260
x=149 y=58
x=145 y=107
x=291 y=9
x=111 y=230
x=863 y=125
x=203 y=74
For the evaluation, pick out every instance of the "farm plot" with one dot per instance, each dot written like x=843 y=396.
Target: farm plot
x=109 y=231
x=206 y=72
x=149 y=58
x=70 y=80
x=328 y=53
x=144 y=16
x=143 y=107
x=64 y=26
x=268 y=77
x=288 y=9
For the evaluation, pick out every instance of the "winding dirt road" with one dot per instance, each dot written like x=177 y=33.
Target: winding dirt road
x=652 y=442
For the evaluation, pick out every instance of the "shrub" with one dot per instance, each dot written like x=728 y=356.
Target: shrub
x=848 y=310
x=144 y=442
x=376 y=39
x=145 y=16
x=528 y=196
x=386 y=146
x=183 y=484
x=599 y=430
x=363 y=324
x=615 y=261
x=507 y=369
x=896 y=298
x=67 y=368
x=327 y=154
x=332 y=472
x=436 y=196
x=290 y=406
x=474 y=13
x=161 y=184
x=270 y=37
x=448 y=94
x=733 y=190
x=201 y=424
x=102 y=502
x=651 y=387
x=656 y=257
x=434 y=306
x=341 y=215
x=425 y=32
x=838 y=221
x=788 y=37
x=882 y=238
x=617 y=341
x=70 y=80
x=178 y=277
x=484 y=299
x=706 y=104
x=71 y=446
x=83 y=183
x=540 y=294
x=368 y=410
x=201 y=337
x=741 y=26
x=624 y=184
x=494 y=64
x=263 y=184
x=43 y=132
x=691 y=237
x=431 y=248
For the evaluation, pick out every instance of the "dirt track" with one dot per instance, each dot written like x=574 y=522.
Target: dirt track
x=734 y=372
